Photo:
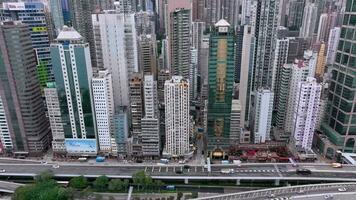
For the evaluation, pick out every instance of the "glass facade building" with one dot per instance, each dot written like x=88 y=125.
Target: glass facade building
x=340 y=122
x=221 y=79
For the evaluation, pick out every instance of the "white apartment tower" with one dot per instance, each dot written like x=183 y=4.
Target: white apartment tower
x=116 y=50
x=104 y=109
x=263 y=116
x=235 y=128
x=150 y=123
x=176 y=98
x=5 y=137
x=306 y=110
x=301 y=69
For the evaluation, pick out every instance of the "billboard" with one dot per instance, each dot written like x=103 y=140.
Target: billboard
x=81 y=146
x=14 y=6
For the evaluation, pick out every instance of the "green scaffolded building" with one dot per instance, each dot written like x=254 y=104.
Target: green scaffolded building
x=221 y=78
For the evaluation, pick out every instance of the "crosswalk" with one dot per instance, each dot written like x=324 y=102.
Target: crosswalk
x=201 y=169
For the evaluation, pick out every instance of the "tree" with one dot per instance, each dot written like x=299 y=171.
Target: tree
x=179 y=195
x=139 y=179
x=42 y=191
x=100 y=183
x=79 y=182
x=158 y=184
x=44 y=176
x=125 y=184
x=115 y=185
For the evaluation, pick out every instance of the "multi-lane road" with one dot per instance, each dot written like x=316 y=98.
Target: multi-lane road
x=256 y=171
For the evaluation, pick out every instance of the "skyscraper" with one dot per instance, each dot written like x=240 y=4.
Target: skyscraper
x=104 y=109
x=339 y=125
x=295 y=14
x=136 y=103
x=265 y=33
x=73 y=74
x=179 y=38
x=305 y=113
x=176 y=98
x=309 y=20
x=263 y=116
x=150 y=136
x=116 y=50
x=320 y=65
x=20 y=93
x=235 y=123
x=57 y=15
x=221 y=79
x=33 y=14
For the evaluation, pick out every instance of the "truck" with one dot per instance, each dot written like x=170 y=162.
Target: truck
x=100 y=159
x=227 y=171
x=82 y=159
x=237 y=162
x=225 y=162
x=164 y=161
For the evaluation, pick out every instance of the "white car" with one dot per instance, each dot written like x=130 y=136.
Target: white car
x=343 y=189
x=2 y=170
x=55 y=166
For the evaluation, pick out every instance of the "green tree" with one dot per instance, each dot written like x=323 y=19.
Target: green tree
x=115 y=185
x=158 y=184
x=100 y=183
x=42 y=191
x=44 y=176
x=139 y=179
x=79 y=182
x=126 y=184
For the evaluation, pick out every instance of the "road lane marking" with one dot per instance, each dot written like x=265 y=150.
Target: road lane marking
x=277 y=170
x=195 y=168
x=145 y=169
x=159 y=169
x=166 y=169
x=153 y=168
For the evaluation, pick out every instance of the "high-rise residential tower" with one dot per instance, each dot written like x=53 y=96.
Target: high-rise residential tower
x=332 y=45
x=20 y=93
x=309 y=20
x=305 y=113
x=147 y=55
x=176 y=98
x=179 y=42
x=263 y=116
x=265 y=33
x=221 y=79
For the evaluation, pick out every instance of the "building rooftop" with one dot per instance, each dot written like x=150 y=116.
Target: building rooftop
x=222 y=22
x=68 y=33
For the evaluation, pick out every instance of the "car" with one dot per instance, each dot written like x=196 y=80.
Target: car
x=2 y=170
x=227 y=171
x=343 y=189
x=336 y=165
x=43 y=162
x=186 y=167
x=301 y=192
x=179 y=171
x=328 y=196
x=271 y=195
x=303 y=171
x=55 y=166
x=181 y=162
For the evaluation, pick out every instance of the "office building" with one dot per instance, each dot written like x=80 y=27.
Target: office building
x=300 y=71
x=263 y=116
x=179 y=41
x=145 y=23
x=176 y=98
x=309 y=20
x=116 y=50
x=5 y=137
x=265 y=33
x=121 y=132
x=163 y=75
x=21 y=102
x=73 y=74
x=333 y=41
x=57 y=15
x=235 y=127
x=322 y=28
x=147 y=55
x=198 y=7
x=55 y=118
x=339 y=125
x=306 y=110
x=34 y=15
x=222 y=9
x=150 y=135
x=221 y=80
x=193 y=74
x=104 y=109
